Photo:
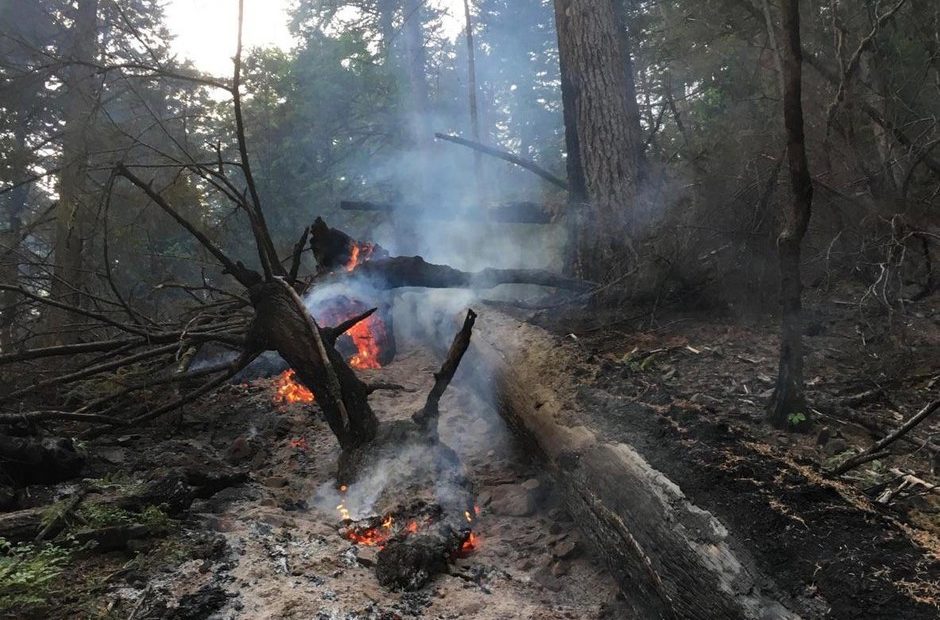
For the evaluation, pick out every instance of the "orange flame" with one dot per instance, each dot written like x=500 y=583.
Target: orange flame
x=360 y=253
x=376 y=536
x=366 y=336
x=287 y=390
x=471 y=544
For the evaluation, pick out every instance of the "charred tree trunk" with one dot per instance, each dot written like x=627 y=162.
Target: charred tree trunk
x=788 y=399
x=71 y=228
x=601 y=135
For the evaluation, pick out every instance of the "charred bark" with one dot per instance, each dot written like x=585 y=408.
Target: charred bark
x=410 y=563
x=672 y=558
x=28 y=460
x=788 y=404
x=283 y=326
x=407 y=271
x=427 y=417
x=333 y=249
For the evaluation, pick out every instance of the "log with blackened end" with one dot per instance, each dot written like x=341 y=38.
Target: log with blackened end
x=410 y=562
x=334 y=250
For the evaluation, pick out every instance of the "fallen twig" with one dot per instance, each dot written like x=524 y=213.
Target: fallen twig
x=877 y=450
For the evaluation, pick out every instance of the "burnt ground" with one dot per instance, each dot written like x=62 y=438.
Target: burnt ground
x=688 y=392
x=266 y=546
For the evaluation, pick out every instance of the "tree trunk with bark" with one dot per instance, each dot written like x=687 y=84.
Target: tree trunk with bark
x=601 y=134
x=788 y=404
x=9 y=251
x=71 y=219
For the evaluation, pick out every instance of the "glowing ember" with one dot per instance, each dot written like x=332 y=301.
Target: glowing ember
x=300 y=443
x=288 y=390
x=375 y=536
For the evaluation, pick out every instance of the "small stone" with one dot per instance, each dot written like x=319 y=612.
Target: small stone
x=115 y=456
x=276 y=482
x=531 y=484
x=566 y=549
x=560 y=569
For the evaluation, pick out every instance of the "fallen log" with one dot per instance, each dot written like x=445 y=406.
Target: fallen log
x=339 y=257
x=522 y=212
x=674 y=557
x=31 y=460
x=414 y=271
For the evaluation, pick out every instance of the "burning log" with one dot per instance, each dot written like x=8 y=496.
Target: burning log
x=407 y=271
x=334 y=249
x=508 y=213
x=369 y=262
x=410 y=563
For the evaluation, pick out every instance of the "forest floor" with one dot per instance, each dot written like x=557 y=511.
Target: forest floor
x=689 y=392
x=272 y=547
x=264 y=540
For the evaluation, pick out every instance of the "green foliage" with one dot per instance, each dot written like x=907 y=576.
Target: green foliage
x=154 y=516
x=95 y=515
x=640 y=361
x=28 y=572
x=796 y=418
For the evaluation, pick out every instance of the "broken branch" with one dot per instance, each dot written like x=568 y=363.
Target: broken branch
x=505 y=156
x=429 y=414
x=877 y=450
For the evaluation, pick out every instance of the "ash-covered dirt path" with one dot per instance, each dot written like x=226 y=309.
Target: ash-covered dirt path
x=271 y=548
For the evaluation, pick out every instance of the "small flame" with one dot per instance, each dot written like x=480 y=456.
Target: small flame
x=288 y=390
x=360 y=253
x=366 y=336
x=471 y=544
